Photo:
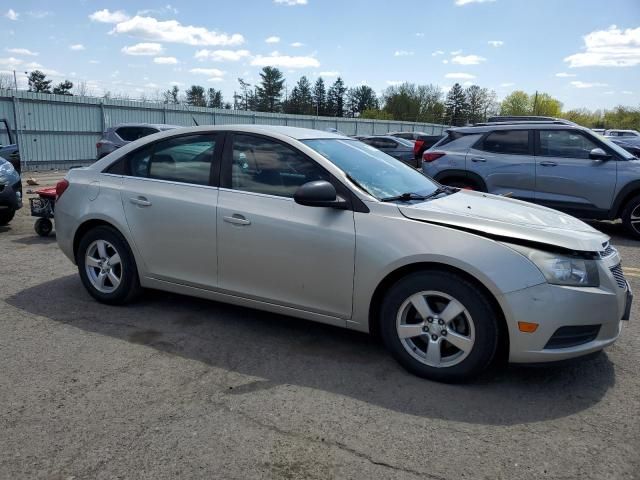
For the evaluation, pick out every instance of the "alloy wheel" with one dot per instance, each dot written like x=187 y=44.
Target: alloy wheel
x=103 y=266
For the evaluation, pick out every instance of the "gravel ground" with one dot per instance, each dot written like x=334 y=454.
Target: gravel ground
x=175 y=387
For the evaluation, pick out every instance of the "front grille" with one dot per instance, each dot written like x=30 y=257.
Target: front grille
x=566 y=337
x=619 y=276
x=608 y=250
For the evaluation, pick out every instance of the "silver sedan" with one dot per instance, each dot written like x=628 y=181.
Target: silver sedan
x=322 y=227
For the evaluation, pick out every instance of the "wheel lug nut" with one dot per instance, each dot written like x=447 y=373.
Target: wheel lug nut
x=443 y=333
x=434 y=337
x=425 y=329
x=430 y=319
x=440 y=322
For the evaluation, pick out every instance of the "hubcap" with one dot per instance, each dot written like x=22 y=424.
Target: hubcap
x=635 y=219
x=103 y=266
x=435 y=329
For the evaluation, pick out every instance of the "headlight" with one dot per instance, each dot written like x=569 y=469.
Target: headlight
x=562 y=270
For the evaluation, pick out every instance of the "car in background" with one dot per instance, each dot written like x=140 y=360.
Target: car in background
x=422 y=140
x=561 y=166
x=10 y=191
x=10 y=151
x=599 y=131
x=396 y=147
x=630 y=144
x=118 y=136
x=322 y=227
x=621 y=133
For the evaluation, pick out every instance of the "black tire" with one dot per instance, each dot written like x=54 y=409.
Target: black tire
x=6 y=216
x=482 y=315
x=43 y=227
x=129 y=287
x=632 y=208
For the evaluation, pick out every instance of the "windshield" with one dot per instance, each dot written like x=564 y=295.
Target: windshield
x=377 y=173
x=405 y=142
x=618 y=149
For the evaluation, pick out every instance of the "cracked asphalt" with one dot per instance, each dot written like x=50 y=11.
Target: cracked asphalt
x=175 y=387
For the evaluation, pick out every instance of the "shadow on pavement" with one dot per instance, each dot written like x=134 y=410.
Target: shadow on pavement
x=284 y=350
x=36 y=239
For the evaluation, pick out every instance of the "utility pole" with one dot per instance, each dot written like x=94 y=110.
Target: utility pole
x=535 y=104
x=15 y=80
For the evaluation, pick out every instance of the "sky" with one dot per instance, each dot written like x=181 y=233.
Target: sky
x=584 y=52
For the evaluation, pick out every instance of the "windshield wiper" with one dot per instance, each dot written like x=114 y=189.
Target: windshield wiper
x=407 y=197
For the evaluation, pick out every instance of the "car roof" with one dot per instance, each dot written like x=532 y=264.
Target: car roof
x=515 y=126
x=159 y=126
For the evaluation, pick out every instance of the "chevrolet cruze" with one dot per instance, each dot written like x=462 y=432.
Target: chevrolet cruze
x=322 y=227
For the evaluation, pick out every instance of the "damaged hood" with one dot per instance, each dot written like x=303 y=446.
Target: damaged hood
x=509 y=218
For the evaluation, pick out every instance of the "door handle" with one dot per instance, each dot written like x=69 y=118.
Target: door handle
x=548 y=164
x=140 y=201
x=237 y=219
x=478 y=159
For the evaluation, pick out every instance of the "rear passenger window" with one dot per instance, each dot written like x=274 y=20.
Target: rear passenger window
x=129 y=134
x=512 y=142
x=182 y=159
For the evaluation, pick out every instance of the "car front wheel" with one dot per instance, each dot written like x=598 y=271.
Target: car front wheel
x=107 y=266
x=439 y=326
x=6 y=216
x=631 y=217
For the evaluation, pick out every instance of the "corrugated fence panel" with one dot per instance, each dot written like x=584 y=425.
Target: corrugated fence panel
x=58 y=130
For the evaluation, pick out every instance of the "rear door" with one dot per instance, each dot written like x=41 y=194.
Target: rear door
x=504 y=160
x=567 y=178
x=170 y=207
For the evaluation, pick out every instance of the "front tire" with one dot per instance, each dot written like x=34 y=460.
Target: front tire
x=6 y=216
x=439 y=326
x=631 y=217
x=107 y=267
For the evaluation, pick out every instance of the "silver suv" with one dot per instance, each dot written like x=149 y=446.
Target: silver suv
x=118 y=136
x=323 y=227
x=565 y=167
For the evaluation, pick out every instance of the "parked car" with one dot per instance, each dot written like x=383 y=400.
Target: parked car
x=10 y=192
x=422 y=143
x=526 y=118
x=118 y=136
x=10 y=151
x=396 y=147
x=322 y=227
x=630 y=144
x=622 y=133
x=599 y=131
x=561 y=166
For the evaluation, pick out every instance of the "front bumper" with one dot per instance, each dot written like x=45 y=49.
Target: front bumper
x=554 y=307
x=11 y=196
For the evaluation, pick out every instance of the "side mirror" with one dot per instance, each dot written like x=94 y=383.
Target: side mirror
x=319 y=193
x=599 y=154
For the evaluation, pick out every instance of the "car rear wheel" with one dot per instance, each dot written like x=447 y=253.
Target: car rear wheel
x=107 y=266
x=43 y=227
x=631 y=217
x=6 y=216
x=439 y=326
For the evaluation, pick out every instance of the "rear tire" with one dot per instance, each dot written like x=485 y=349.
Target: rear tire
x=6 y=216
x=43 y=227
x=631 y=217
x=439 y=326
x=107 y=267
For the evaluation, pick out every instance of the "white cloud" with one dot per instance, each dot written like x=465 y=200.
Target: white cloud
x=12 y=14
x=165 y=60
x=468 y=83
x=95 y=62
x=627 y=92
x=222 y=55
x=160 y=11
x=609 y=92
x=468 y=59
x=143 y=49
x=215 y=79
x=507 y=84
x=297 y=44
x=106 y=16
x=272 y=39
x=173 y=31
x=460 y=76
x=22 y=51
x=151 y=85
x=330 y=73
x=420 y=34
x=437 y=52
x=211 y=72
x=395 y=83
x=565 y=75
x=402 y=53
x=581 y=84
x=456 y=52
x=461 y=3
x=290 y=3
x=76 y=47
x=32 y=65
x=177 y=84
x=11 y=61
x=38 y=13
x=445 y=61
x=608 y=48
x=496 y=43
x=285 y=61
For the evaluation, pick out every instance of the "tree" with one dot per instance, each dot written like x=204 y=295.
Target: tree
x=319 y=97
x=172 y=95
x=38 y=82
x=456 y=106
x=63 y=88
x=82 y=89
x=6 y=81
x=476 y=99
x=335 y=98
x=360 y=99
x=414 y=103
x=516 y=103
x=195 y=96
x=269 y=92
x=214 y=98
x=544 y=104
x=245 y=100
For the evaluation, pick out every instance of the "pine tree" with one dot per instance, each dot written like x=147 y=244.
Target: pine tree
x=305 y=97
x=319 y=97
x=172 y=96
x=37 y=82
x=214 y=98
x=195 y=96
x=269 y=92
x=63 y=88
x=360 y=99
x=335 y=98
x=456 y=106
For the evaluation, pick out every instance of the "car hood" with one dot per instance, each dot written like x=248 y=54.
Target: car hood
x=509 y=218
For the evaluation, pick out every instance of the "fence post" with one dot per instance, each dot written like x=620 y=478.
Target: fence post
x=103 y=122
x=357 y=126
x=254 y=118
x=23 y=154
x=214 y=116
x=164 y=114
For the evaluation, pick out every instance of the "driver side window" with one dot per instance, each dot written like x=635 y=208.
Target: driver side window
x=565 y=143
x=261 y=165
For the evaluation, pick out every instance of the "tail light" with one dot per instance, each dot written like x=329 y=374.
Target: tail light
x=61 y=186
x=417 y=146
x=98 y=145
x=431 y=156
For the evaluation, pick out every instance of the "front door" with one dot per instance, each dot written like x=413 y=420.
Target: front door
x=273 y=249
x=170 y=208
